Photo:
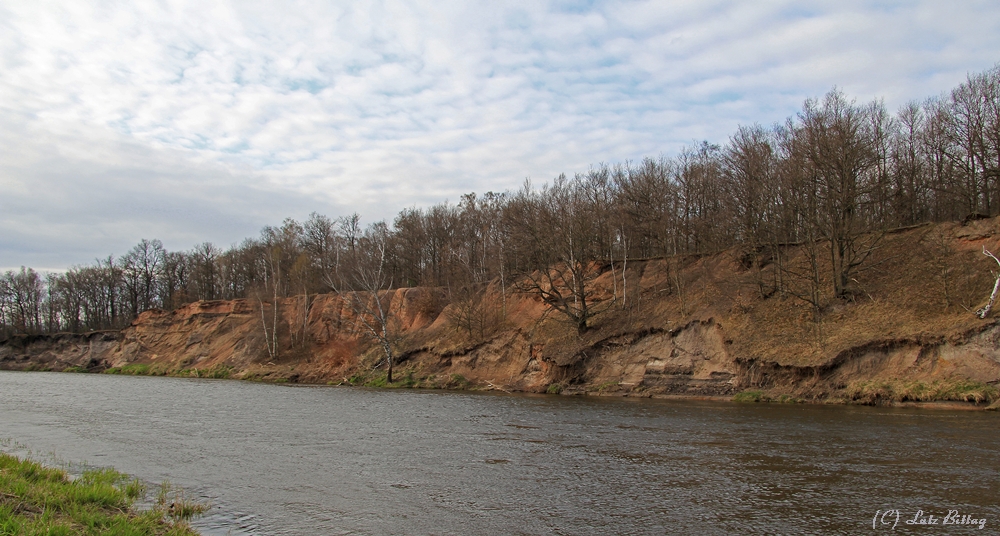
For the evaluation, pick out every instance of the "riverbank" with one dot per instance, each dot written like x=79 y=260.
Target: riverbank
x=948 y=395
x=956 y=400
x=41 y=500
x=954 y=393
x=718 y=325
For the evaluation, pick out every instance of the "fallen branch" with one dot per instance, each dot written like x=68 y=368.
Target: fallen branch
x=996 y=288
x=496 y=388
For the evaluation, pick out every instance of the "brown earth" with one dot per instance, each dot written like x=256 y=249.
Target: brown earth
x=709 y=325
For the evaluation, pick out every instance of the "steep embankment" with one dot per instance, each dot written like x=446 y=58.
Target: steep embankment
x=694 y=325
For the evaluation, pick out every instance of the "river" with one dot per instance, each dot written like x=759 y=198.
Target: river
x=283 y=459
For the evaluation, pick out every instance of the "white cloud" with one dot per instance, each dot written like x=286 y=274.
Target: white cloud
x=192 y=121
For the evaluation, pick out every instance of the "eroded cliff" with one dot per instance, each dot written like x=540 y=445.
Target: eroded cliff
x=694 y=325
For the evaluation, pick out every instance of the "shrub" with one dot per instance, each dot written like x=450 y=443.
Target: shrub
x=457 y=381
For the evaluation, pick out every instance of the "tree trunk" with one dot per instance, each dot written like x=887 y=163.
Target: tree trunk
x=388 y=357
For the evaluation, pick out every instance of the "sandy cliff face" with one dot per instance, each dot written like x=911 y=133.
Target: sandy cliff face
x=697 y=325
x=56 y=352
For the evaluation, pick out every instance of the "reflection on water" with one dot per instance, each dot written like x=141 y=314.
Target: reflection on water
x=320 y=460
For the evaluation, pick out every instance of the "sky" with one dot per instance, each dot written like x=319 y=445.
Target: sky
x=195 y=121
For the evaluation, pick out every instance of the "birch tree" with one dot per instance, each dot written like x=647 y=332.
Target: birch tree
x=368 y=295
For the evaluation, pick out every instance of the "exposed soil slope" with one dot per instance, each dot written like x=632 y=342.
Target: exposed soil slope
x=694 y=325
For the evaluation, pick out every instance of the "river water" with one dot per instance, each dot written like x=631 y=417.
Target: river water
x=278 y=459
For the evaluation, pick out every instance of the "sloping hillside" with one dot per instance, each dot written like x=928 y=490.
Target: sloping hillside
x=696 y=325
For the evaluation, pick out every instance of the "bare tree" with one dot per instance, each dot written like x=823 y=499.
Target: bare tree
x=556 y=232
x=369 y=296
x=799 y=199
x=140 y=269
x=319 y=240
x=838 y=144
x=909 y=192
x=204 y=271
x=473 y=312
x=24 y=296
x=272 y=279
x=966 y=131
x=750 y=169
x=175 y=277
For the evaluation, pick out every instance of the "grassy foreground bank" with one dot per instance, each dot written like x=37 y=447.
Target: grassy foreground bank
x=39 y=500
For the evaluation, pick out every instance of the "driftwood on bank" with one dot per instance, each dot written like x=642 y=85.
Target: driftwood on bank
x=996 y=288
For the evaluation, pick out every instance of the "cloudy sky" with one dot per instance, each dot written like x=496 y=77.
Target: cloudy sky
x=206 y=120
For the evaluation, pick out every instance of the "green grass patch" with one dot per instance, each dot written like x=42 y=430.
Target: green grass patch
x=39 y=500
x=403 y=380
x=554 y=388
x=406 y=379
x=74 y=368
x=751 y=396
x=378 y=381
x=407 y=382
x=132 y=369
x=219 y=372
x=142 y=369
x=428 y=382
x=360 y=378
x=874 y=392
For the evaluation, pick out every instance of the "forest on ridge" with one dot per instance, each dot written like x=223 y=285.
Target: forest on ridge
x=834 y=178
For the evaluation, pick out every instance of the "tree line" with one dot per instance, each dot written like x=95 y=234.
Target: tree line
x=831 y=178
